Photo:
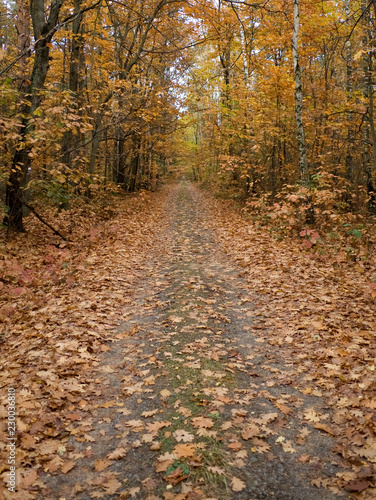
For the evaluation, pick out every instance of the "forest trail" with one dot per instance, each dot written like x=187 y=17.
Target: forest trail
x=189 y=378
x=194 y=397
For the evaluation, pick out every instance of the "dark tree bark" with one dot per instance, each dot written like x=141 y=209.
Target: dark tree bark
x=134 y=164
x=43 y=33
x=67 y=145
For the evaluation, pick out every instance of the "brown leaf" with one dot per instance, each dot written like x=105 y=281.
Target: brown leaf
x=202 y=422
x=176 y=476
x=237 y=484
x=109 y=404
x=217 y=470
x=28 y=441
x=165 y=393
x=117 y=454
x=303 y=459
x=54 y=465
x=102 y=464
x=182 y=435
x=154 y=427
x=163 y=465
x=250 y=432
x=112 y=485
x=73 y=416
x=68 y=466
x=156 y=446
x=284 y=409
x=184 y=450
x=235 y=446
x=311 y=415
x=147 y=414
x=357 y=485
x=324 y=427
x=29 y=478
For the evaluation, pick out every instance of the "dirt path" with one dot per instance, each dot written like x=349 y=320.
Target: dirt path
x=194 y=403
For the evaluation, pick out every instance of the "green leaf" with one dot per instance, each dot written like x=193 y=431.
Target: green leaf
x=356 y=233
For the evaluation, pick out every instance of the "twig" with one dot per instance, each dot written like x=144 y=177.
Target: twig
x=34 y=45
x=32 y=209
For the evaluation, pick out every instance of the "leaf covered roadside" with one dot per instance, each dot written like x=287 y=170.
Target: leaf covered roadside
x=60 y=303
x=320 y=312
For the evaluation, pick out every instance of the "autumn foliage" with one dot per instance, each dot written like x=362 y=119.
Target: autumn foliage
x=212 y=336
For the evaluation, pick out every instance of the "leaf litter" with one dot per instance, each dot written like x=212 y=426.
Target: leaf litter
x=239 y=367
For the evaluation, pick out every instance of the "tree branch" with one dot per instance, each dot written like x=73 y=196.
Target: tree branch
x=69 y=19
x=32 y=209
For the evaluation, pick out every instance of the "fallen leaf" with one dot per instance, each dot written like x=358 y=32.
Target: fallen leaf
x=182 y=435
x=176 y=476
x=165 y=393
x=311 y=415
x=235 y=446
x=54 y=465
x=147 y=414
x=112 y=485
x=303 y=459
x=155 y=446
x=250 y=432
x=217 y=470
x=324 y=427
x=163 y=465
x=184 y=450
x=102 y=464
x=117 y=454
x=358 y=485
x=133 y=491
x=202 y=422
x=68 y=466
x=237 y=484
x=29 y=478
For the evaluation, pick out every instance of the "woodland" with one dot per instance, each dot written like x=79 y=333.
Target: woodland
x=187 y=249
x=273 y=101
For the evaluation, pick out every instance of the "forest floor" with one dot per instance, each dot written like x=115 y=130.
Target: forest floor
x=181 y=353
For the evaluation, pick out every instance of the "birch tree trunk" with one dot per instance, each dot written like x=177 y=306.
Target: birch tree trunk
x=303 y=165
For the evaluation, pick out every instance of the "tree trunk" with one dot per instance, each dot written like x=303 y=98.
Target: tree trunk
x=67 y=145
x=303 y=165
x=134 y=164
x=43 y=33
x=369 y=165
x=23 y=42
x=119 y=157
x=349 y=91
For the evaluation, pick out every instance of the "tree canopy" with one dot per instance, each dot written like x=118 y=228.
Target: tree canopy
x=268 y=100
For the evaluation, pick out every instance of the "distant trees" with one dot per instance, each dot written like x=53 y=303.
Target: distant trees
x=274 y=94
x=300 y=86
